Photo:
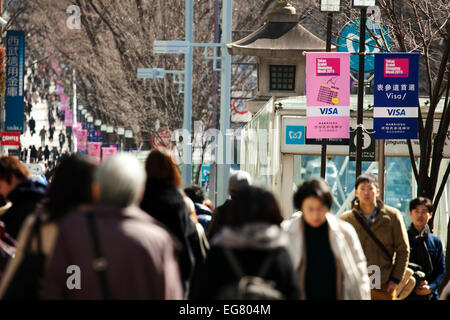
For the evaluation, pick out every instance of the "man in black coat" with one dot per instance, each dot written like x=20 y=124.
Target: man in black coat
x=17 y=187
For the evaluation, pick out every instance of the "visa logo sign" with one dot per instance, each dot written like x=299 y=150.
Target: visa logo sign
x=396 y=112
x=328 y=111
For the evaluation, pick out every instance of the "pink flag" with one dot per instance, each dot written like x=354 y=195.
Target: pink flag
x=108 y=153
x=68 y=118
x=327 y=95
x=94 y=151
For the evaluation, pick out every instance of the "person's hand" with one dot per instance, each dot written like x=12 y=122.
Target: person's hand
x=391 y=287
x=423 y=289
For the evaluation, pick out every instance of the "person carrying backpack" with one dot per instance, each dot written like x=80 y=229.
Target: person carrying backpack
x=248 y=257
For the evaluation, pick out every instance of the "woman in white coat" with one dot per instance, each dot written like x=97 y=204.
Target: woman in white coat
x=325 y=250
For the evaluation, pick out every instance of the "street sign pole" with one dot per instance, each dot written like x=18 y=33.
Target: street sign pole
x=223 y=170
x=187 y=114
x=362 y=47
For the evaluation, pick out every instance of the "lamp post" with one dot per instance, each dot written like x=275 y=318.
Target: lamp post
x=362 y=5
x=329 y=6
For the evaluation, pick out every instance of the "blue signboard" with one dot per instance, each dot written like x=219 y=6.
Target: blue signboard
x=348 y=41
x=396 y=95
x=295 y=135
x=15 y=71
x=204 y=177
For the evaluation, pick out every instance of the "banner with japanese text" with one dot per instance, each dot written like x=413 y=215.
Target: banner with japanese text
x=327 y=95
x=15 y=71
x=396 y=96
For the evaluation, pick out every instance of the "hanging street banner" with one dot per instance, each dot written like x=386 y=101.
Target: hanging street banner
x=327 y=95
x=108 y=152
x=68 y=118
x=368 y=147
x=396 y=96
x=95 y=151
x=81 y=139
x=15 y=71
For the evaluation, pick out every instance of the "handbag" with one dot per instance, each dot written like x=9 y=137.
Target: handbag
x=27 y=281
x=406 y=285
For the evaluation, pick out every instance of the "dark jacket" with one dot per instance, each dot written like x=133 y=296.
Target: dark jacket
x=138 y=250
x=436 y=253
x=218 y=218
x=24 y=198
x=204 y=215
x=166 y=204
x=216 y=272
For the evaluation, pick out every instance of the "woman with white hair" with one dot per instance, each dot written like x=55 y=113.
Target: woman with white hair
x=123 y=253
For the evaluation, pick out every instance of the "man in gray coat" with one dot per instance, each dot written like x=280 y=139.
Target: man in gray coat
x=134 y=256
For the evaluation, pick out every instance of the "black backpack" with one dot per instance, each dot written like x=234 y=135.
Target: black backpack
x=249 y=287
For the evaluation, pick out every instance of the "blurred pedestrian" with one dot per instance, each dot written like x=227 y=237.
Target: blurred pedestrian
x=164 y=201
x=144 y=267
x=32 y=126
x=43 y=134
x=71 y=189
x=46 y=154
x=250 y=243
x=382 y=233
x=198 y=196
x=62 y=140
x=51 y=131
x=17 y=186
x=325 y=250
x=236 y=181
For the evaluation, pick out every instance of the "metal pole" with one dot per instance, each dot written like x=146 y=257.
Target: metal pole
x=381 y=166
x=187 y=113
x=223 y=170
x=74 y=120
x=323 y=160
x=362 y=48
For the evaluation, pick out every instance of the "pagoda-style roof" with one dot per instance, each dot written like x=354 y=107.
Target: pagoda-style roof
x=281 y=36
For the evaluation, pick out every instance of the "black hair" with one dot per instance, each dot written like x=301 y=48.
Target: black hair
x=370 y=178
x=71 y=186
x=253 y=204
x=317 y=188
x=421 y=200
x=196 y=193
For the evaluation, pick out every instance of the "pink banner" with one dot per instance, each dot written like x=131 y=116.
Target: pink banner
x=81 y=139
x=95 y=151
x=108 y=153
x=76 y=127
x=68 y=118
x=327 y=95
x=64 y=101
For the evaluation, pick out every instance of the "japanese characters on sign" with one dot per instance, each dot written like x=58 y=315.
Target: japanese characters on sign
x=15 y=66
x=327 y=95
x=396 y=95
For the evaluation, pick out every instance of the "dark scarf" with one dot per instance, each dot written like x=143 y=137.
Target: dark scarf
x=420 y=246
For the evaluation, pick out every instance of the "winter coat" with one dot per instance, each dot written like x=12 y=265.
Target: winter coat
x=436 y=252
x=352 y=277
x=218 y=218
x=204 y=215
x=140 y=256
x=166 y=204
x=391 y=231
x=251 y=245
x=24 y=198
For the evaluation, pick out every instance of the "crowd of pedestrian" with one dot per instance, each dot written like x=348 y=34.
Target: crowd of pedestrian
x=124 y=230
